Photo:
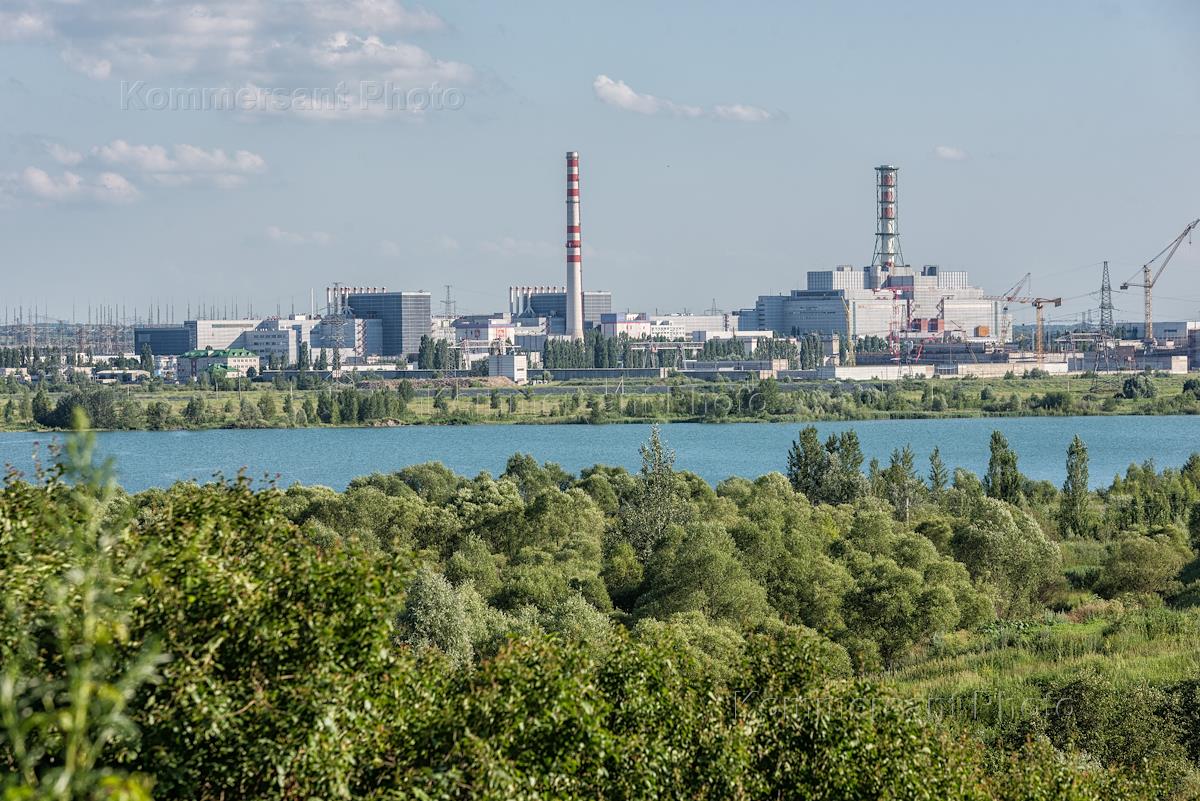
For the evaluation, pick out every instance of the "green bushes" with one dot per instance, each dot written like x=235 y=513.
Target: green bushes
x=1138 y=386
x=617 y=635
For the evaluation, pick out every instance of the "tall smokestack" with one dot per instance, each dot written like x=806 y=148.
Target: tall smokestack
x=574 y=251
x=887 y=237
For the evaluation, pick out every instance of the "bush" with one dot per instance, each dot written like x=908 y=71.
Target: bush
x=1138 y=386
x=1144 y=563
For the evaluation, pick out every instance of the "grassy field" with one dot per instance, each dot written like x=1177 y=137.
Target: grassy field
x=1013 y=661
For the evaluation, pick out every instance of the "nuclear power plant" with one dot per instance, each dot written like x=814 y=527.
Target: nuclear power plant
x=867 y=319
x=887 y=299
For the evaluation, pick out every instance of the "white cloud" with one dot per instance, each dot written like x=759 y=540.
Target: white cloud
x=113 y=188
x=448 y=243
x=94 y=67
x=94 y=178
x=63 y=155
x=405 y=64
x=18 y=26
x=44 y=186
x=742 y=113
x=621 y=95
x=242 y=43
x=389 y=248
x=183 y=158
x=108 y=187
x=277 y=234
x=183 y=164
x=377 y=15
x=948 y=153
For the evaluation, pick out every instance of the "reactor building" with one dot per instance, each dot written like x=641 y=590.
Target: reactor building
x=886 y=299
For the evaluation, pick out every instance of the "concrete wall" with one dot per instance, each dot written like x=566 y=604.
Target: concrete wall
x=580 y=373
x=1001 y=369
x=876 y=372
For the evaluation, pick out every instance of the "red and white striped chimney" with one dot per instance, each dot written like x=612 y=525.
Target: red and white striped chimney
x=574 y=251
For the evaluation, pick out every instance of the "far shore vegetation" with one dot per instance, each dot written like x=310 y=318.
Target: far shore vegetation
x=244 y=403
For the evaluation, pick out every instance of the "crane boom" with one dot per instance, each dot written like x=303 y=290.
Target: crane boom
x=1148 y=280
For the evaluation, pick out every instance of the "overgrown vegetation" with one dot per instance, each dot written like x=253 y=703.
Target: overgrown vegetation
x=830 y=633
x=308 y=402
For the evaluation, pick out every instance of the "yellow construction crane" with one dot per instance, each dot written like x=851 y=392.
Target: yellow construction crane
x=1038 y=304
x=1148 y=281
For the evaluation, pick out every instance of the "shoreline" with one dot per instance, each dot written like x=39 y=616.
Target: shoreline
x=582 y=420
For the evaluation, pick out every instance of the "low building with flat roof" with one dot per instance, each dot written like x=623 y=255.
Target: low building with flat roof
x=228 y=362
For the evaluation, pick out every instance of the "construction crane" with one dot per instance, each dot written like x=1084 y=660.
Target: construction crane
x=1038 y=304
x=1008 y=297
x=1148 y=281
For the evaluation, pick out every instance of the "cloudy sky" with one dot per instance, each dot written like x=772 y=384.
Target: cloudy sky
x=154 y=151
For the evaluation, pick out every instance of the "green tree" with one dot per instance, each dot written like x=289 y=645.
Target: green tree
x=267 y=406
x=195 y=413
x=146 y=361
x=657 y=500
x=1144 y=563
x=159 y=415
x=807 y=464
x=699 y=571
x=902 y=487
x=40 y=408
x=938 y=475
x=1004 y=547
x=434 y=616
x=1003 y=480
x=1075 y=504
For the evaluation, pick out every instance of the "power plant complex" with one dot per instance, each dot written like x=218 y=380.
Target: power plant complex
x=886 y=299
x=885 y=319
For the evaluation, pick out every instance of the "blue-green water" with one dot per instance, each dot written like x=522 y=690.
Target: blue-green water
x=333 y=456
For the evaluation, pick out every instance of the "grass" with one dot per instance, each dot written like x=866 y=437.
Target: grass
x=987 y=677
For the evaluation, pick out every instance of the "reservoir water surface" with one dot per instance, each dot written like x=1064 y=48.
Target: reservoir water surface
x=333 y=456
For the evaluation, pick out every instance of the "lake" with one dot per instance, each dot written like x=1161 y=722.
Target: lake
x=333 y=456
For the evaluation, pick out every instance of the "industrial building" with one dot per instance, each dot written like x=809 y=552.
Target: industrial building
x=550 y=302
x=357 y=339
x=886 y=299
x=405 y=317
x=217 y=334
x=164 y=340
x=672 y=327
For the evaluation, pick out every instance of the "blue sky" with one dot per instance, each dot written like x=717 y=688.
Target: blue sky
x=726 y=149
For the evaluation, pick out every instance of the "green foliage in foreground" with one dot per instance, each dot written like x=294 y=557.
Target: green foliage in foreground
x=539 y=635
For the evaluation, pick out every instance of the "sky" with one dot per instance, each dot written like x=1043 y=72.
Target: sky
x=166 y=154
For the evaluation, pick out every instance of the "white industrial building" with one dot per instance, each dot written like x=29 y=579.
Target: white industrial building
x=886 y=299
x=282 y=336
